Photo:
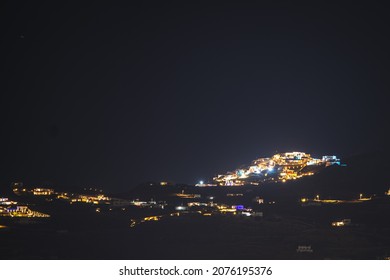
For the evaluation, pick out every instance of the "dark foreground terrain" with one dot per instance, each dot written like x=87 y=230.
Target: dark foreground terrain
x=78 y=231
x=83 y=234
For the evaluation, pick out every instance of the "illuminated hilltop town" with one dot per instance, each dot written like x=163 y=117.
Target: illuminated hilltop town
x=278 y=168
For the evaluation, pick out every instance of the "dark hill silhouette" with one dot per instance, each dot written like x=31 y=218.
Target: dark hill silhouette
x=367 y=174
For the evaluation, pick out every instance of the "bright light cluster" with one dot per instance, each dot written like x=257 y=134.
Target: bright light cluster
x=279 y=167
x=94 y=199
x=21 y=212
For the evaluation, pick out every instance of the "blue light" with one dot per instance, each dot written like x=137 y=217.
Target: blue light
x=240 y=207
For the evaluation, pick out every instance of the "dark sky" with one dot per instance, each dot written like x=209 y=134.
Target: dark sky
x=116 y=94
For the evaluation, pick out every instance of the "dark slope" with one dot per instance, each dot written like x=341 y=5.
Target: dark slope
x=367 y=174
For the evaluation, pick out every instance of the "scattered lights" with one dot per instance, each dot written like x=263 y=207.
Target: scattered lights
x=175 y=214
x=234 y=194
x=207 y=209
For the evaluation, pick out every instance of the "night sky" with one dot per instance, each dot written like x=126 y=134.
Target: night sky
x=117 y=94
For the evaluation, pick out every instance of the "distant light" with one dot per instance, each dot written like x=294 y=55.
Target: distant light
x=245 y=213
x=201 y=182
x=270 y=168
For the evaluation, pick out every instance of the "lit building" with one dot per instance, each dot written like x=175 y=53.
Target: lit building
x=42 y=191
x=93 y=199
x=181 y=208
x=342 y=223
x=330 y=160
x=5 y=201
x=148 y=204
x=188 y=195
x=259 y=200
x=23 y=212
